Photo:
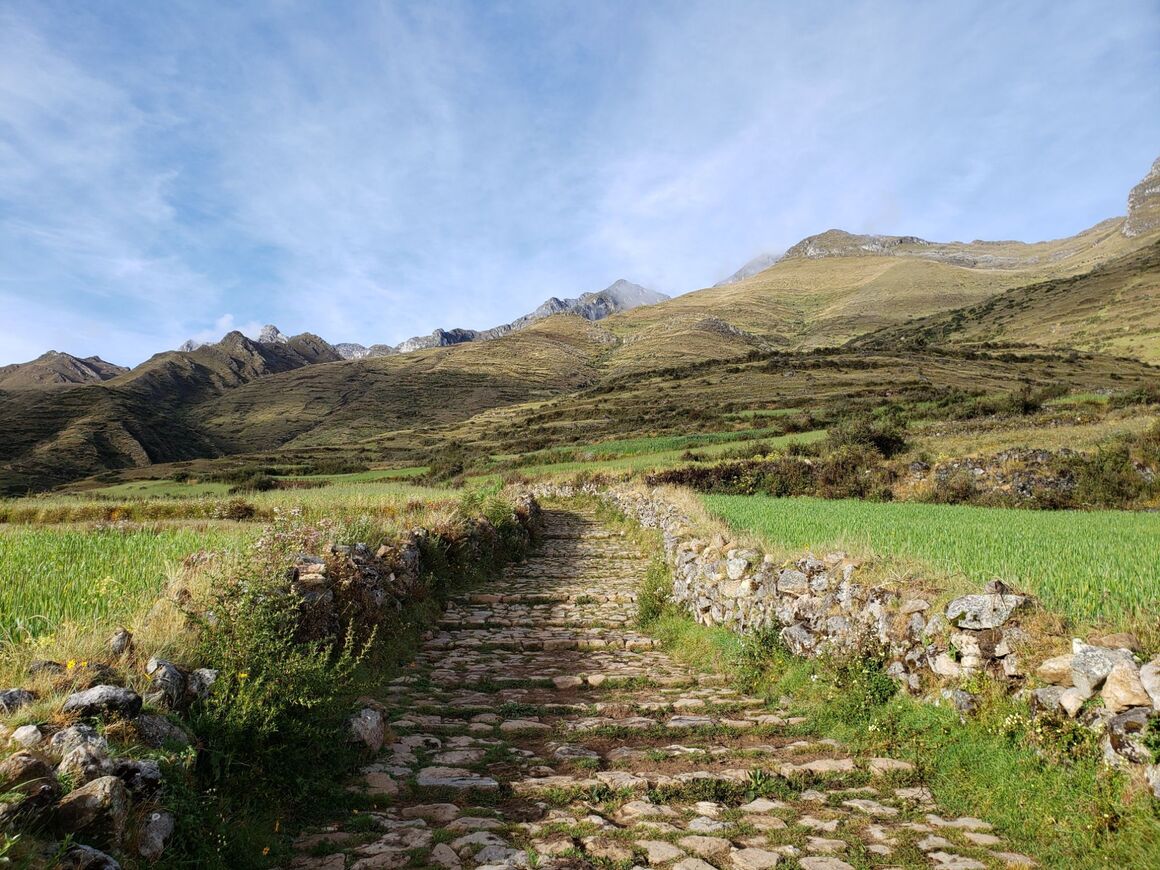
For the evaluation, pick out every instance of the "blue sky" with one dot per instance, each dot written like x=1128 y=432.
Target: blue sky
x=371 y=170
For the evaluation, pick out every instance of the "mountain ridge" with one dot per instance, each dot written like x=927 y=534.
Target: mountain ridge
x=301 y=393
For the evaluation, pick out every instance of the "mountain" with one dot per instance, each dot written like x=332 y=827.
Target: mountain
x=758 y=264
x=619 y=296
x=1113 y=309
x=840 y=313
x=55 y=369
x=351 y=350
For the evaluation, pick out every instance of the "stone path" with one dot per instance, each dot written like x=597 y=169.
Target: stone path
x=539 y=728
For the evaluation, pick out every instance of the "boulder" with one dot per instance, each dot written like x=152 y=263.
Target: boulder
x=68 y=739
x=1126 y=733
x=1056 y=670
x=1123 y=688
x=102 y=701
x=44 y=666
x=158 y=732
x=983 y=611
x=99 y=810
x=798 y=639
x=792 y=582
x=198 y=684
x=167 y=689
x=84 y=763
x=12 y=700
x=85 y=858
x=26 y=736
x=24 y=769
x=1072 y=700
x=142 y=776
x=1046 y=700
x=1090 y=665
x=368 y=727
x=945 y=666
x=1150 y=680
x=754 y=859
x=1121 y=640
x=156 y=831
x=121 y=642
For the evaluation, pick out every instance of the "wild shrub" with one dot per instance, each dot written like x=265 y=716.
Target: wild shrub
x=1108 y=478
x=885 y=436
x=861 y=687
x=959 y=487
x=653 y=595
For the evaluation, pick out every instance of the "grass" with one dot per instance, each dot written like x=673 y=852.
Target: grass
x=378 y=498
x=52 y=577
x=1091 y=566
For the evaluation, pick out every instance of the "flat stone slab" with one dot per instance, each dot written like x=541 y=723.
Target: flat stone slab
x=454 y=777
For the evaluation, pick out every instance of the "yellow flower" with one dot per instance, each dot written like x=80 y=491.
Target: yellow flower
x=85 y=663
x=266 y=850
x=242 y=675
x=71 y=664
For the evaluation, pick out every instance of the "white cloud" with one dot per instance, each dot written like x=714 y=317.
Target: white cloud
x=371 y=171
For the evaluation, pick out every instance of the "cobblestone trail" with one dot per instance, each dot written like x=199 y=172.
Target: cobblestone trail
x=539 y=728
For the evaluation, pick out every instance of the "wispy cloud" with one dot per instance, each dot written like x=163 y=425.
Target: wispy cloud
x=371 y=170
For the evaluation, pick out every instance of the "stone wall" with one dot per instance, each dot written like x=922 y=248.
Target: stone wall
x=822 y=605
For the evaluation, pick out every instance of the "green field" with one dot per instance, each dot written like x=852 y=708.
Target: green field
x=1100 y=565
x=382 y=497
x=83 y=576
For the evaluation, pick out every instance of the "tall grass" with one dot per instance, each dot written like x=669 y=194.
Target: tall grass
x=1091 y=566
x=52 y=576
x=384 y=498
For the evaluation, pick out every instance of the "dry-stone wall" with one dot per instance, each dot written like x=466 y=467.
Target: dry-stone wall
x=819 y=605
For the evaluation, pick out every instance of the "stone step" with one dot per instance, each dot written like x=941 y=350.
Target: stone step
x=546 y=597
x=561 y=639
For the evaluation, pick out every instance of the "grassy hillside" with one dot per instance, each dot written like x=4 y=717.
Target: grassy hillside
x=677 y=367
x=1113 y=309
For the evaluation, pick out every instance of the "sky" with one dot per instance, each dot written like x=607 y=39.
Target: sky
x=369 y=171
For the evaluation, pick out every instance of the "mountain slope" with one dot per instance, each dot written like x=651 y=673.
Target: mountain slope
x=54 y=369
x=617 y=369
x=1113 y=309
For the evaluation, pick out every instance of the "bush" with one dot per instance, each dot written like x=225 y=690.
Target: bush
x=654 y=593
x=887 y=437
x=957 y=488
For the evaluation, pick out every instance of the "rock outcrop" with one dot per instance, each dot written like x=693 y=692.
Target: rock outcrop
x=1144 y=205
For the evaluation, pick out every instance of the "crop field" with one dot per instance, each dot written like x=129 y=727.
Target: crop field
x=49 y=576
x=374 y=497
x=1091 y=566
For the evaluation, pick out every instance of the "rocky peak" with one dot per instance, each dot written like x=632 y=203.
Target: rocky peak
x=1144 y=205
x=270 y=334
